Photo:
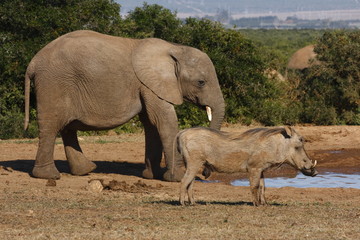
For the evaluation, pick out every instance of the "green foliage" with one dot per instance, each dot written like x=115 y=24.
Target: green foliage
x=151 y=21
x=190 y=115
x=277 y=46
x=332 y=89
x=324 y=94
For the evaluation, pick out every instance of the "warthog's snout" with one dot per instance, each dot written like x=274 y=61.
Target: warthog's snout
x=310 y=171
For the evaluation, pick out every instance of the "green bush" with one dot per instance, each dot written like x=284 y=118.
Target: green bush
x=12 y=125
x=331 y=91
x=324 y=94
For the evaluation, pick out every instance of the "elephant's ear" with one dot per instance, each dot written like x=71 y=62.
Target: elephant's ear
x=156 y=67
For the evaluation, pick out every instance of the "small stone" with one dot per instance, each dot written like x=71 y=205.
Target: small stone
x=51 y=183
x=95 y=186
x=9 y=169
x=30 y=213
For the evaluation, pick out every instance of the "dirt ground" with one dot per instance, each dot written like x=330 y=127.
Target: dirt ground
x=115 y=202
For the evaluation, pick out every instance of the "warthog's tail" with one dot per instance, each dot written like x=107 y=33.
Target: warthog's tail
x=177 y=149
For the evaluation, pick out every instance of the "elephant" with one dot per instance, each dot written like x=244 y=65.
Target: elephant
x=85 y=80
x=303 y=58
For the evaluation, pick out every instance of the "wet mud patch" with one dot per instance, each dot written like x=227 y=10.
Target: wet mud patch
x=337 y=160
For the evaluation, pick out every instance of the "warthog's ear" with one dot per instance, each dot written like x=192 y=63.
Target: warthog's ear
x=289 y=130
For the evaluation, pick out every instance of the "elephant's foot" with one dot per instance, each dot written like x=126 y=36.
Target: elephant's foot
x=176 y=177
x=48 y=171
x=81 y=165
x=149 y=174
x=78 y=163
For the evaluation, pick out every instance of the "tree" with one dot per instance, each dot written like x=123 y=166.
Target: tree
x=332 y=89
x=152 y=21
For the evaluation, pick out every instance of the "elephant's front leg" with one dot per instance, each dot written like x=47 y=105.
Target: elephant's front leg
x=161 y=126
x=153 y=149
x=79 y=164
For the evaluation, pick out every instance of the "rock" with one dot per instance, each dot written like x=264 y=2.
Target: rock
x=95 y=185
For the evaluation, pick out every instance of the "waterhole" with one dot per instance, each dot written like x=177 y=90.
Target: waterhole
x=325 y=180
x=337 y=169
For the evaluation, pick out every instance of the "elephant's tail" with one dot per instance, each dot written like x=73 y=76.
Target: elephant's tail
x=28 y=75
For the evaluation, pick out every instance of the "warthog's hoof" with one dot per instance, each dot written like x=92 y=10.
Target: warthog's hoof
x=48 y=171
x=183 y=203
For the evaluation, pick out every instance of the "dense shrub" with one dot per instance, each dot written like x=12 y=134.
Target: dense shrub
x=325 y=94
x=331 y=91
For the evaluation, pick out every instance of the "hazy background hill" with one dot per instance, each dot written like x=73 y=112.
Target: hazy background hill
x=315 y=9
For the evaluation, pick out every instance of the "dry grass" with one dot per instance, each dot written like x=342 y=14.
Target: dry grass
x=31 y=210
x=61 y=212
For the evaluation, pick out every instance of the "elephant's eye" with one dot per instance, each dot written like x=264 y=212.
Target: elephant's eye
x=201 y=83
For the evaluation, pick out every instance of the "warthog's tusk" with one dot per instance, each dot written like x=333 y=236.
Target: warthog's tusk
x=314 y=163
x=208 y=111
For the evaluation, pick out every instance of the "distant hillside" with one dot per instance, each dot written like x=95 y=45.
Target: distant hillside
x=203 y=7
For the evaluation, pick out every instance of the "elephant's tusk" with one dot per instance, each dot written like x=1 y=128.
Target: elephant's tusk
x=208 y=111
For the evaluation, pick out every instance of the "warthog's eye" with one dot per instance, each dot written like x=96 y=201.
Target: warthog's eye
x=297 y=148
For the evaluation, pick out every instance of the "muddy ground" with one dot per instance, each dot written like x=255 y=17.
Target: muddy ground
x=115 y=202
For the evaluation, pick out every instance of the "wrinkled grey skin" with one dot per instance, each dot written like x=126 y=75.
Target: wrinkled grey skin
x=253 y=151
x=90 y=81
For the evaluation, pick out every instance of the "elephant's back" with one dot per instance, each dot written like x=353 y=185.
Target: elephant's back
x=86 y=43
x=86 y=55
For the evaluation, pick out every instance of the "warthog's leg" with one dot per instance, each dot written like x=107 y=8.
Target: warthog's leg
x=191 y=192
x=254 y=178
x=262 y=190
x=187 y=182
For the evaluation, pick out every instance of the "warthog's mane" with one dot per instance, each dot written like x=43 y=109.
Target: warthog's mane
x=262 y=133
x=256 y=133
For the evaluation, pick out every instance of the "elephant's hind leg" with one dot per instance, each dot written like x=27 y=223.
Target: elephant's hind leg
x=79 y=164
x=44 y=164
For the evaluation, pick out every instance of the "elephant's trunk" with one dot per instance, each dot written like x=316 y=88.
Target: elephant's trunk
x=217 y=114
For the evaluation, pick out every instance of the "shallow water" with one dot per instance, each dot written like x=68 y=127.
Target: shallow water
x=325 y=180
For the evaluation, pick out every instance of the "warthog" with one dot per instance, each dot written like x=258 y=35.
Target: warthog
x=252 y=151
